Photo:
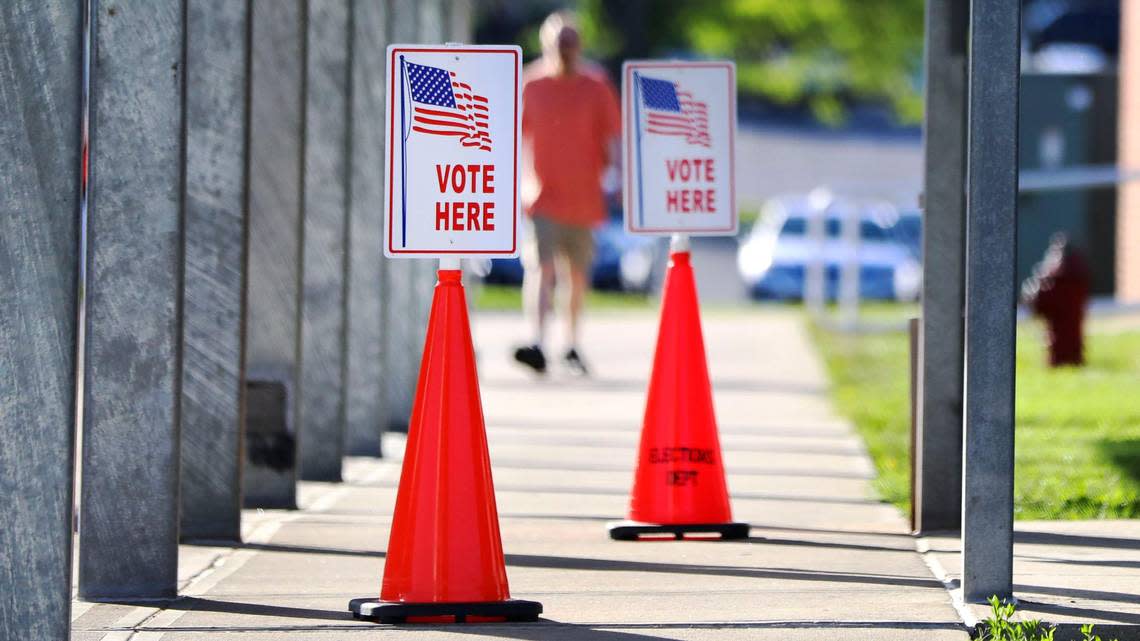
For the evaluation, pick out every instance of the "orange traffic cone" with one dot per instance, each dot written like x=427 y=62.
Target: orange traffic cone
x=445 y=557
x=679 y=486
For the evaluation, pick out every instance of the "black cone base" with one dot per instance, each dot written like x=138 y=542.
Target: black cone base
x=632 y=530
x=371 y=609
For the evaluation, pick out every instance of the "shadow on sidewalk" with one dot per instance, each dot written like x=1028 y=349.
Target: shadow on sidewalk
x=1081 y=540
x=555 y=631
x=731 y=470
x=603 y=384
x=294 y=549
x=199 y=604
x=602 y=491
x=614 y=565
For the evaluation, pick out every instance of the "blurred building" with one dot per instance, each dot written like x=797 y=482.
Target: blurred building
x=1069 y=132
x=1128 y=202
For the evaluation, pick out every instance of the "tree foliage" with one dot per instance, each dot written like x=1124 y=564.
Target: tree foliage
x=824 y=54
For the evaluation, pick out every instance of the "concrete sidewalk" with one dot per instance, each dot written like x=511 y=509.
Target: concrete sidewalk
x=826 y=559
x=1067 y=573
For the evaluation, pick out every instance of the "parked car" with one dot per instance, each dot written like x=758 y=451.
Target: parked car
x=774 y=258
x=622 y=261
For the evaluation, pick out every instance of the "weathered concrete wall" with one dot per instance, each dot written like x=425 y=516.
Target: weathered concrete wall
x=938 y=443
x=364 y=390
x=404 y=293
x=326 y=184
x=129 y=510
x=459 y=20
x=272 y=349
x=214 y=279
x=39 y=182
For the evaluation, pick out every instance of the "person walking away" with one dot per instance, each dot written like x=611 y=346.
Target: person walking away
x=1058 y=292
x=571 y=128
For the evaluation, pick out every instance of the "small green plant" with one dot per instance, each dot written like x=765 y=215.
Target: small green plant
x=1000 y=625
x=1087 y=633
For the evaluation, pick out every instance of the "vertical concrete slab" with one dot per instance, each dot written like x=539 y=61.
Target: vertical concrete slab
x=405 y=320
x=459 y=20
x=364 y=390
x=273 y=328
x=40 y=54
x=432 y=26
x=938 y=445
x=213 y=287
x=128 y=534
x=326 y=187
x=991 y=297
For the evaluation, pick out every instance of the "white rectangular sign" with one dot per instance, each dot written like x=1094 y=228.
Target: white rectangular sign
x=679 y=129
x=452 y=151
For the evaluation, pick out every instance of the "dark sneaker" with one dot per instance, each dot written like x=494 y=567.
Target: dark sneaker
x=574 y=363
x=532 y=357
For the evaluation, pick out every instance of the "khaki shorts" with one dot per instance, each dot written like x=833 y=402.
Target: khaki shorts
x=547 y=239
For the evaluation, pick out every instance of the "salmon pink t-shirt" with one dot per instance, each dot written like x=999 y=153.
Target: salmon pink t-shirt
x=568 y=125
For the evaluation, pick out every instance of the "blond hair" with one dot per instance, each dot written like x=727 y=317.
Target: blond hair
x=553 y=25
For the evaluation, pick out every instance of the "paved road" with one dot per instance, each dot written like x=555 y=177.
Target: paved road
x=826 y=560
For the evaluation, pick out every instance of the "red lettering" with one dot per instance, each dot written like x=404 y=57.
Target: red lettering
x=710 y=200
x=671 y=201
x=690 y=170
x=458 y=178
x=441 y=214
x=698 y=200
x=488 y=179
x=441 y=174
x=489 y=214
x=474 y=171
x=457 y=216
x=473 y=216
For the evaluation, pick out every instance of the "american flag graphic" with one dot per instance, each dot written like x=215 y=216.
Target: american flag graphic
x=444 y=106
x=672 y=111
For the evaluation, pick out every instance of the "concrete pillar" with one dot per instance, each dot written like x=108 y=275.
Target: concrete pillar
x=273 y=327
x=327 y=117
x=1128 y=157
x=128 y=534
x=938 y=444
x=991 y=297
x=213 y=287
x=364 y=391
x=405 y=320
x=459 y=20
x=434 y=28
x=40 y=54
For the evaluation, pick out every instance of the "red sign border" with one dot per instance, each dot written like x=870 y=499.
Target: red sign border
x=391 y=154
x=627 y=75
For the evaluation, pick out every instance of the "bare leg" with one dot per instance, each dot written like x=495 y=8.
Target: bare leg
x=579 y=284
x=538 y=295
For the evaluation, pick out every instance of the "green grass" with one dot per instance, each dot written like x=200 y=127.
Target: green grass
x=504 y=298
x=1078 y=429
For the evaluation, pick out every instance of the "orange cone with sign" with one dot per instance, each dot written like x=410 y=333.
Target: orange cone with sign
x=445 y=557
x=679 y=487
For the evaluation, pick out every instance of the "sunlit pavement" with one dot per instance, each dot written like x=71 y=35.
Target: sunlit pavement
x=826 y=560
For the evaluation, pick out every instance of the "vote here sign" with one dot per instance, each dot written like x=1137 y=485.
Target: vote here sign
x=452 y=151
x=678 y=136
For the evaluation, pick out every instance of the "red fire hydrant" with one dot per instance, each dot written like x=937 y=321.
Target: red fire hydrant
x=1058 y=292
